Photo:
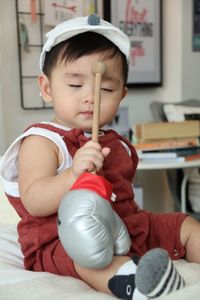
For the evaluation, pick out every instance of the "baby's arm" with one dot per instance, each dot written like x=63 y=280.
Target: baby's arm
x=41 y=187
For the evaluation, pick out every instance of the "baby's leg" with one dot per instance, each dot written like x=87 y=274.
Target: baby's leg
x=98 y=279
x=119 y=277
x=190 y=239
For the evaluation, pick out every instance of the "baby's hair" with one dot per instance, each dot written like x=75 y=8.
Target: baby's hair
x=83 y=44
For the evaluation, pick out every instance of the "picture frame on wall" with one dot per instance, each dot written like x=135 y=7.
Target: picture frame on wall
x=196 y=26
x=141 y=21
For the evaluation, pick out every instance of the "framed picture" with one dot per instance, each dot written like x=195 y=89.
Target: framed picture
x=141 y=20
x=196 y=26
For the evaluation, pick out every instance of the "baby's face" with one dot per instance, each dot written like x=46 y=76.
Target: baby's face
x=71 y=89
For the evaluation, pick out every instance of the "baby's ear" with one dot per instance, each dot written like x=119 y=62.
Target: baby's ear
x=125 y=92
x=45 y=87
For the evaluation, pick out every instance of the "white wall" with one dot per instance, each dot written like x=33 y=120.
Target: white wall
x=190 y=59
x=15 y=119
x=2 y=136
x=181 y=73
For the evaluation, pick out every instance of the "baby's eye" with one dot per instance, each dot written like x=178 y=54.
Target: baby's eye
x=75 y=85
x=107 y=89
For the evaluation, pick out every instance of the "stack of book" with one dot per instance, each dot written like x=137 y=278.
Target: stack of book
x=163 y=141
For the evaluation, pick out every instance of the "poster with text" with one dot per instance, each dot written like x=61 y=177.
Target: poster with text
x=141 y=21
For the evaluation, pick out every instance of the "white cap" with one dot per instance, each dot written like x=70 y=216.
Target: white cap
x=78 y=25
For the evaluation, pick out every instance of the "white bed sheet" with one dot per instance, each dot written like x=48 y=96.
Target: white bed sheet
x=19 y=284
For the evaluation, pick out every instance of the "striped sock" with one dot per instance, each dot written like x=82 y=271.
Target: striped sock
x=156 y=274
x=122 y=285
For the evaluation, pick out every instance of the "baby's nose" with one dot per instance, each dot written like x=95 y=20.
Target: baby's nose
x=89 y=96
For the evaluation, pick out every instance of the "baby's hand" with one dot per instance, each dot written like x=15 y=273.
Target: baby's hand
x=88 y=158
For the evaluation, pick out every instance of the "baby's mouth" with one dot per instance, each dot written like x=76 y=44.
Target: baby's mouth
x=87 y=114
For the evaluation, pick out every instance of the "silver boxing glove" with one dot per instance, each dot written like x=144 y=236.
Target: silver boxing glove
x=89 y=229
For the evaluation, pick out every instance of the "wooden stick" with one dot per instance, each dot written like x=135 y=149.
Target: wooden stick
x=98 y=69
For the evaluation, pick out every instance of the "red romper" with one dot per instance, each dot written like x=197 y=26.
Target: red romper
x=39 y=237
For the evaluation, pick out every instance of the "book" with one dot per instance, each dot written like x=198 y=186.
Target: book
x=166 y=130
x=192 y=157
x=160 y=157
x=157 y=155
x=163 y=144
x=163 y=160
x=179 y=151
x=167 y=156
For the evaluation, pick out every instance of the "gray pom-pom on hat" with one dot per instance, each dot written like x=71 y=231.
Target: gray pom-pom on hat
x=94 y=19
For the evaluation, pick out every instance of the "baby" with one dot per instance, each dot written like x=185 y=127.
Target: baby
x=43 y=163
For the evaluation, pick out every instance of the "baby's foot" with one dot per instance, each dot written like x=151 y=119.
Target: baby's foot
x=122 y=284
x=156 y=274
